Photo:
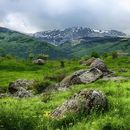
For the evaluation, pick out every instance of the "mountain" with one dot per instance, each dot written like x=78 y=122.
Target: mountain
x=57 y=37
x=20 y=45
x=76 y=45
x=5 y=30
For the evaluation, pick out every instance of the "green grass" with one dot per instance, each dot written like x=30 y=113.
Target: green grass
x=12 y=69
x=29 y=113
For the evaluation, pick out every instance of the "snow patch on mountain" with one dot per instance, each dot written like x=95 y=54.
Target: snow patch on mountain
x=57 y=37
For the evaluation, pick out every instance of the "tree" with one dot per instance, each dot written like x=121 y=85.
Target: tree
x=95 y=54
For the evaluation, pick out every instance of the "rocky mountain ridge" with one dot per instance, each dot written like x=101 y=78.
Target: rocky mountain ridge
x=57 y=37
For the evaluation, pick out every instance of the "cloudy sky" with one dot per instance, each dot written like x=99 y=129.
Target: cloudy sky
x=37 y=15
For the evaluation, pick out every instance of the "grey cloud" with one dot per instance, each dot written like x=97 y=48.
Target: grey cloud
x=37 y=15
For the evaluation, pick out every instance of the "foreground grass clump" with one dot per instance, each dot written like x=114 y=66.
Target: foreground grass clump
x=34 y=113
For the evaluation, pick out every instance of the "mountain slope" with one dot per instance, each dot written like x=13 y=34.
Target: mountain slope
x=20 y=45
x=86 y=46
x=57 y=37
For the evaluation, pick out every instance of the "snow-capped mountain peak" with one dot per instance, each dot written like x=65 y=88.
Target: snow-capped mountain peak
x=57 y=37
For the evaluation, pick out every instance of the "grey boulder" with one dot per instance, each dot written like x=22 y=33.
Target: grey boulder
x=21 y=88
x=81 y=77
x=99 y=64
x=39 y=61
x=83 y=101
x=88 y=62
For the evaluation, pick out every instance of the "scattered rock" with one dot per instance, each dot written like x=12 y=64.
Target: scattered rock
x=81 y=76
x=21 y=88
x=2 y=95
x=118 y=78
x=39 y=61
x=22 y=92
x=83 y=101
x=99 y=64
x=2 y=89
x=88 y=62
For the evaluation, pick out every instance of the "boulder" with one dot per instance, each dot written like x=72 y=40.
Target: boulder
x=21 y=87
x=3 y=95
x=39 y=61
x=88 y=62
x=22 y=92
x=81 y=76
x=83 y=101
x=99 y=64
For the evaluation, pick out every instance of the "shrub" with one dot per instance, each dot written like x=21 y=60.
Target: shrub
x=114 y=55
x=105 y=55
x=42 y=56
x=95 y=54
x=42 y=85
x=62 y=64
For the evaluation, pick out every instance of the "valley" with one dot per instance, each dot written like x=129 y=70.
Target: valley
x=77 y=85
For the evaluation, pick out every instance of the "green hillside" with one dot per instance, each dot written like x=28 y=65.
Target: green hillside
x=100 y=45
x=21 y=45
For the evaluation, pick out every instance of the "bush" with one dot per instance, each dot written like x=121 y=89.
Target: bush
x=62 y=64
x=41 y=86
x=42 y=56
x=114 y=55
x=95 y=54
x=105 y=55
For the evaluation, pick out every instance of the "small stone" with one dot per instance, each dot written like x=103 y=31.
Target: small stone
x=39 y=61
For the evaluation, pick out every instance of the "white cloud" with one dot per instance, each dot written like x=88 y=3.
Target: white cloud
x=17 y=22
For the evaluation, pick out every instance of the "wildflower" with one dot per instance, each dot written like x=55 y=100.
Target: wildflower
x=46 y=114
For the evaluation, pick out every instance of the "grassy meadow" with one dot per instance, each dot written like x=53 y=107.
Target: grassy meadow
x=33 y=113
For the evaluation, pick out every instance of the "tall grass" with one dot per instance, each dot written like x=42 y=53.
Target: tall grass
x=33 y=113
